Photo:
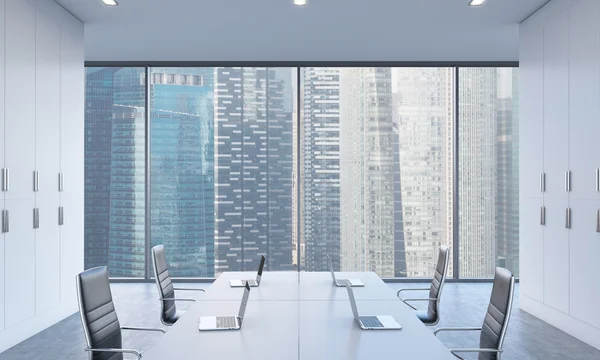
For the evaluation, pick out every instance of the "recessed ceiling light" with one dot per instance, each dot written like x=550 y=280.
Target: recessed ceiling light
x=299 y=2
x=110 y=2
x=476 y=2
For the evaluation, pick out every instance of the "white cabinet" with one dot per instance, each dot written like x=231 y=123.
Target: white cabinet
x=20 y=92
x=47 y=256
x=584 y=104
x=584 y=253
x=556 y=112
x=19 y=264
x=41 y=88
x=531 y=238
x=556 y=255
x=47 y=163
x=531 y=124
x=564 y=292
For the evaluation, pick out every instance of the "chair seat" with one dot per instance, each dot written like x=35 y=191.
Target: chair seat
x=425 y=318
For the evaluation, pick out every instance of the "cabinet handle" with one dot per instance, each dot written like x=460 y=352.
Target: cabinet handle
x=60 y=182
x=568 y=181
x=36 y=218
x=598 y=221
x=3 y=184
x=568 y=218
x=542 y=182
x=543 y=215
x=598 y=180
x=6 y=180
x=36 y=181
x=3 y=222
x=7 y=225
x=60 y=215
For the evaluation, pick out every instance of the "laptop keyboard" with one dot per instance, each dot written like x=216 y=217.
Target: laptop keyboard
x=343 y=282
x=252 y=283
x=225 y=322
x=370 y=322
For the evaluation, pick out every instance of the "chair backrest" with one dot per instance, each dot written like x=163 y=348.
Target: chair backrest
x=164 y=284
x=437 y=283
x=498 y=313
x=98 y=317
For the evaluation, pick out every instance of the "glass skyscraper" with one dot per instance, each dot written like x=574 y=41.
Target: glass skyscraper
x=182 y=168
x=253 y=162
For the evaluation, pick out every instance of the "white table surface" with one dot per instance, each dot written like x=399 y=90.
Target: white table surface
x=273 y=286
x=299 y=316
x=328 y=332
x=269 y=332
x=319 y=286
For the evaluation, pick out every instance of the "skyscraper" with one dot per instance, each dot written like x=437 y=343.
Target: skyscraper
x=477 y=171
x=320 y=164
x=98 y=129
x=425 y=113
x=182 y=168
x=507 y=165
x=367 y=171
x=253 y=162
x=127 y=181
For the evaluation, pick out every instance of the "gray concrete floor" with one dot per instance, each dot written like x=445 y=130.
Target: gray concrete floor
x=462 y=305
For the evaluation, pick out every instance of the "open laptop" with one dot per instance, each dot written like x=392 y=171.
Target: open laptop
x=226 y=322
x=252 y=283
x=379 y=322
x=343 y=282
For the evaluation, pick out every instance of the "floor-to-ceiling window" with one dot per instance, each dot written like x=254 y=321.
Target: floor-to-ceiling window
x=364 y=170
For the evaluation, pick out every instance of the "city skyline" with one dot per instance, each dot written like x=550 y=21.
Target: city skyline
x=376 y=181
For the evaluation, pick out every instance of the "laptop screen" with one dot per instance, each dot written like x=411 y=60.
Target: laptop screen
x=331 y=267
x=352 y=301
x=262 y=264
x=244 y=301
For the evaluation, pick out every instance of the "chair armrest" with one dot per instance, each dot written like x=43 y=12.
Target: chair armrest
x=123 y=351
x=477 y=350
x=186 y=289
x=401 y=290
x=143 y=329
x=457 y=329
x=176 y=299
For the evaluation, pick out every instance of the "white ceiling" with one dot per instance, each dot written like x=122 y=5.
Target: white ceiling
x=325 y=30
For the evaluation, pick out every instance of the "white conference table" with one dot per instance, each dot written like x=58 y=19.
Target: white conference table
x=299 y=316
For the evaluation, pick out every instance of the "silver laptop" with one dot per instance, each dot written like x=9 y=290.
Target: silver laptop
x=379 y=322
x=343 y=282
x=226 y=322
x=252 y=283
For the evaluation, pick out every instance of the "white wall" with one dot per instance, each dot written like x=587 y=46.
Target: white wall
x=41 y=129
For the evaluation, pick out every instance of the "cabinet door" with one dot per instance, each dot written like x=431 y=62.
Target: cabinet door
x=71 y=247
x=556 y=255
x=19 y=271
x=20 y=90
x=531 y=243
x=47 y=255
x=584 y=78
x=584 y=253
x=72 y=115
x=556 y=109
x=531 y=124
x=47 y=129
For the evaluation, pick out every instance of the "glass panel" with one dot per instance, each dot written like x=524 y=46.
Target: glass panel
x=488 y=171
x=376 y=169
x=115 y=170
x=221 y=160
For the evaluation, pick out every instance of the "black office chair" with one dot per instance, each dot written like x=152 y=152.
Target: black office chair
x=496 y=319
x=99 y=319
x=432 y=316
x=166 y=292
